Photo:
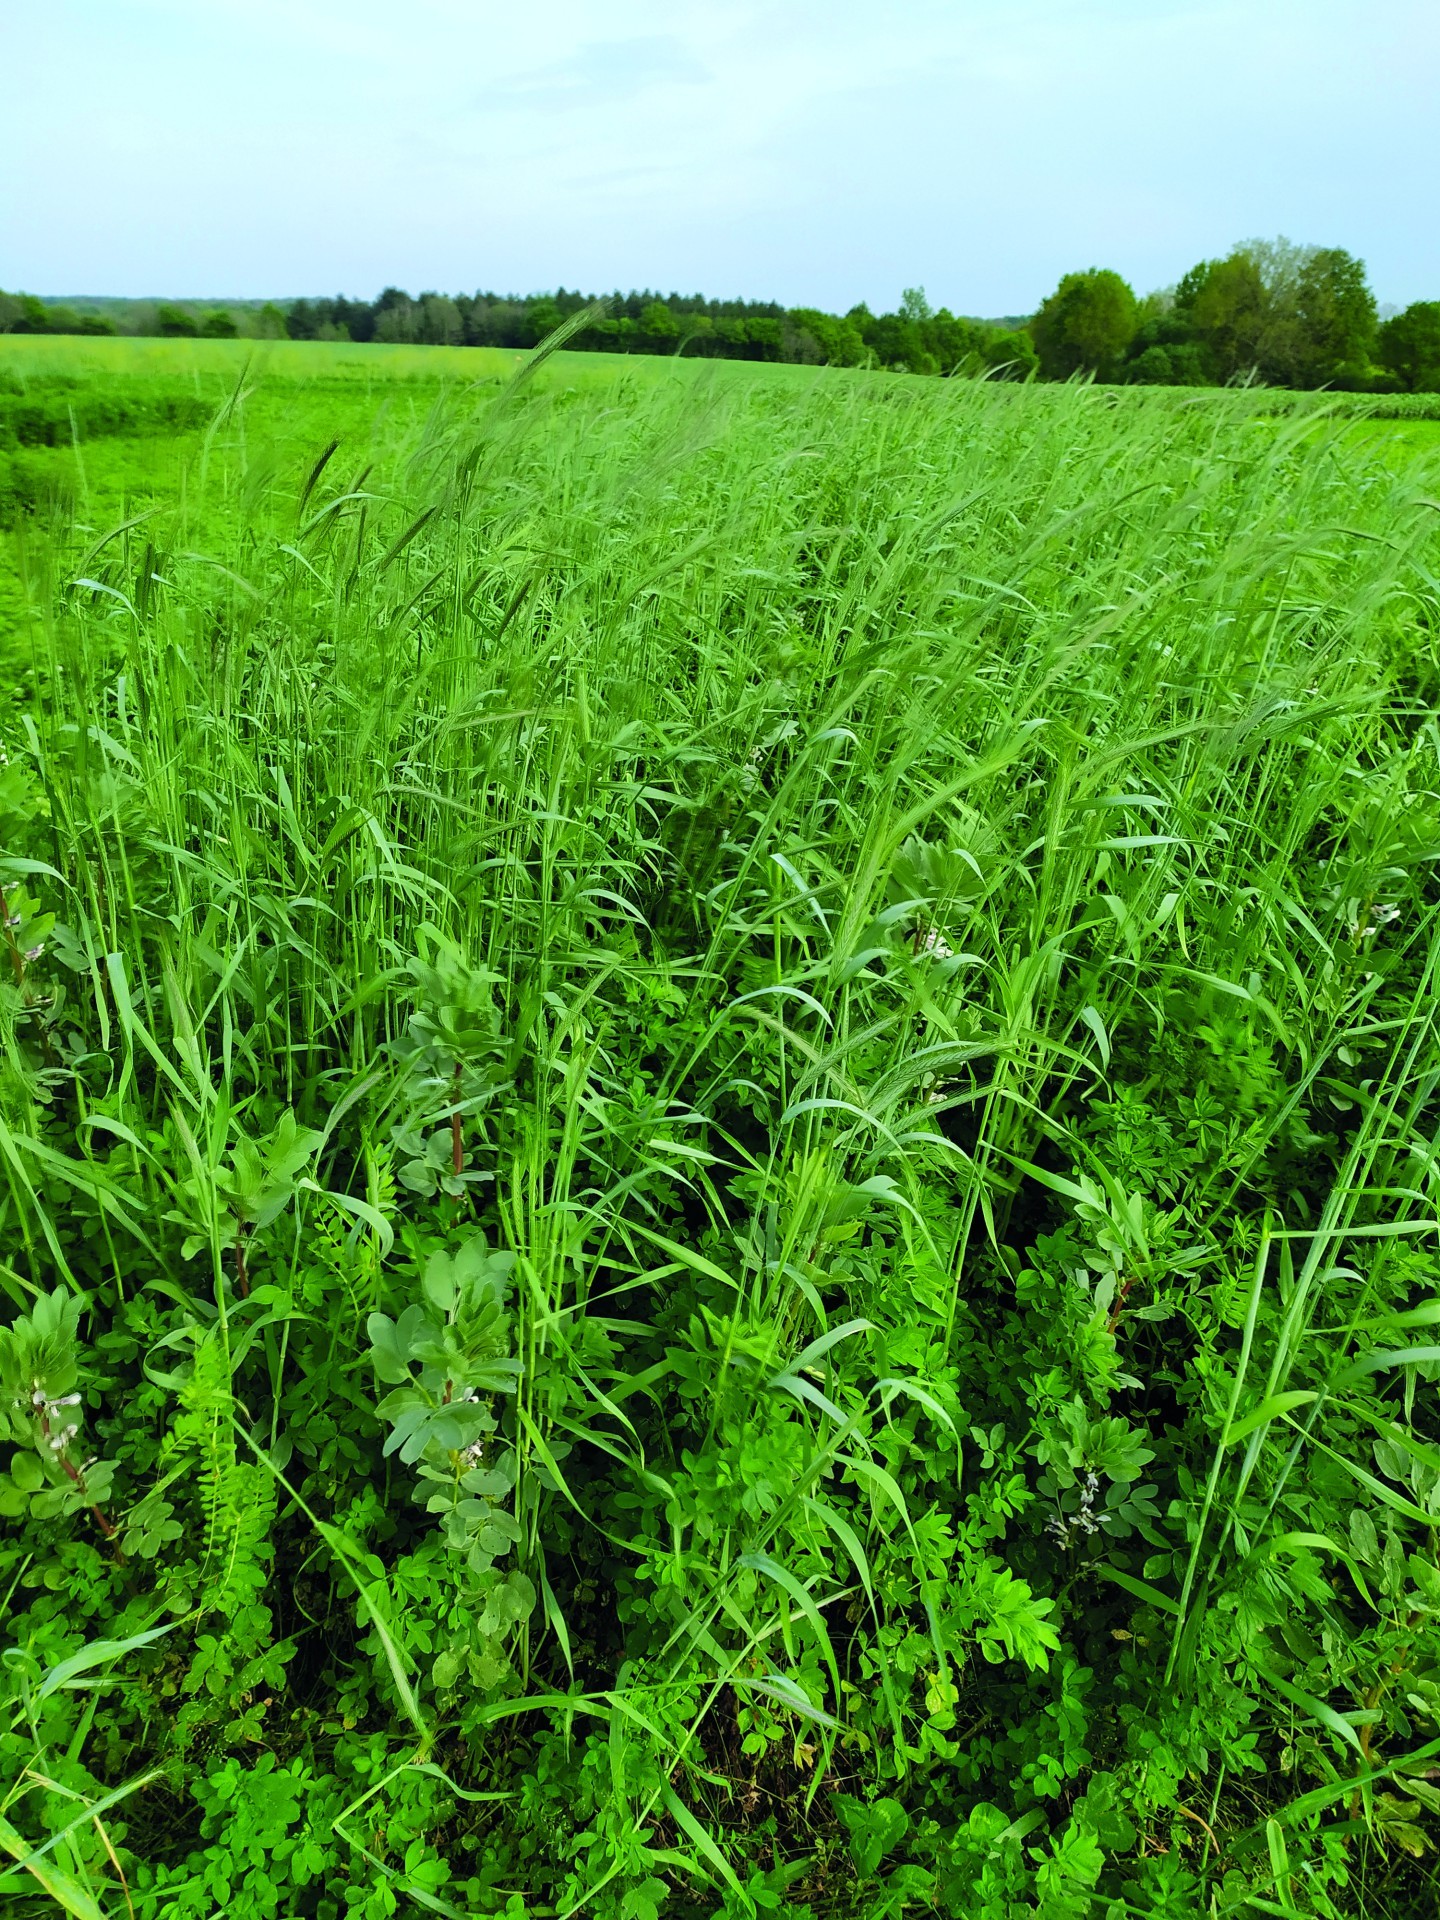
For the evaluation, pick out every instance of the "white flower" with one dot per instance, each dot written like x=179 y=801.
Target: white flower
x=1380 y=915
x=934 y=943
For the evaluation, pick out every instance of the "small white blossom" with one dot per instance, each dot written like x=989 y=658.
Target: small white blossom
x=1065 y=1526
x=934 y=943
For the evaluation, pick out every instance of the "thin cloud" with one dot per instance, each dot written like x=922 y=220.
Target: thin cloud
x=599 y=73
x=815 y=151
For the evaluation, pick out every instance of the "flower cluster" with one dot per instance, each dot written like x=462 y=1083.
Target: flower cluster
x=1064 y=1526
x=56 y=1438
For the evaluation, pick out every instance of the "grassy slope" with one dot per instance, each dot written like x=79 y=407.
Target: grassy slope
x=923 y=839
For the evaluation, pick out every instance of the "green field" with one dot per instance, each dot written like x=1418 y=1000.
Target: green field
x=719 y=1115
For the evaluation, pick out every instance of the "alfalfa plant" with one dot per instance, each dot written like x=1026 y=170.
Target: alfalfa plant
x=40 y=1413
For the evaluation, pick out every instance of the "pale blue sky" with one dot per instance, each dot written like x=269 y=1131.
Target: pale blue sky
x=815 y=151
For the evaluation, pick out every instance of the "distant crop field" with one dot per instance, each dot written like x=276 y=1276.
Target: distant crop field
x=718 y=1094
x=39 y=355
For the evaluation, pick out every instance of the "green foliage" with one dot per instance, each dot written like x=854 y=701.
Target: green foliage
x=452 y=1058
x=231 y=1203
x=448 y=1359
x=1085 y=325
x=172 y=322
x=41 y=1413
x=1409 y=345
x=1287 y=315
x=716 y=1155
x=1012 y=355
x=1336 y=312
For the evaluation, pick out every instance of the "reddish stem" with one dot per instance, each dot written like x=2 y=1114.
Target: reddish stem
x=104 y=1525
x=1119 y=1306
x=77 y=1478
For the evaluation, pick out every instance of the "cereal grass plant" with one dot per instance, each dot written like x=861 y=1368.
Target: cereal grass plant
x=832 y=981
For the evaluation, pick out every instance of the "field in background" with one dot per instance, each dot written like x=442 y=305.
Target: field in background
x=721 y=1085
x=157 y=398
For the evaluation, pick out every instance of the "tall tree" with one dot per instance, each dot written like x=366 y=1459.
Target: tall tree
x=438 y=323
x=1245 y=310
x=1085 y=325
x=1336 y=311
x=1409 y=345
x=1229 y=307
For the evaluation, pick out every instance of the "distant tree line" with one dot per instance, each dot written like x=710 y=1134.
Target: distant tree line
x=915 y=337
x=1269 y=312
x=24 y=313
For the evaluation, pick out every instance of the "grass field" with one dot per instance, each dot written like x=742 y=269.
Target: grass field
x=718 y=1121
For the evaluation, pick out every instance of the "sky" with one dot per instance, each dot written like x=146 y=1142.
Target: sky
x=817 y=152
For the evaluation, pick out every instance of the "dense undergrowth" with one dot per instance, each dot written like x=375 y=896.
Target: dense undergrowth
x=719 y=1124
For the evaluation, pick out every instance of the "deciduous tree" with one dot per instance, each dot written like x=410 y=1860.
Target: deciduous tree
x=1085 y=325
x=1336 y=312
x=1409 y=345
